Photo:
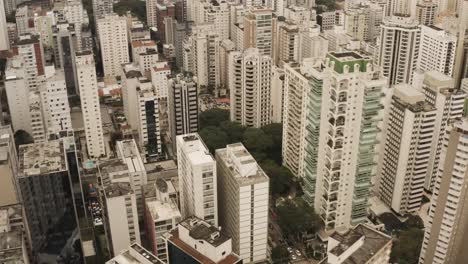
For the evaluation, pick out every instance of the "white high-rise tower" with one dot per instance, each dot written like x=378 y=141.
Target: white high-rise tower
x=87 y=83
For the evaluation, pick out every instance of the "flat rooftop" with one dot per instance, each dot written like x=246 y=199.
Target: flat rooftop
x=118 y=189
x=195 y=149
x=374 y=241
x=11 y=249
x=136 y=254
x=42 y=158
x=201 y=230
x=160 y=210
x=176 y=240
x=246 y=160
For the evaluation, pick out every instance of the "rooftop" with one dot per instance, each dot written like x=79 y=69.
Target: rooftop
x=374 y=241
x=11 y=247
x=241 y=164
x=195 y=149
x=42 y=158
x=118 y=189
x=135 y=254
x=160 y=210
x=201 y=230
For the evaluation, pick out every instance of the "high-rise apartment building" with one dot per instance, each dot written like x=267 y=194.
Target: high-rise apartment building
x=4 y=41
x=202 y=52
x=87 y=84
x=44 y=186
x=243 y=190
x=249 y=84
x=144 y=54
x=441 y=93
x=151 y=13
x=163 y=10
x=15 y=246
x=127 y=167
x=17 y=92
x=258 y=30
x=8 y=167
x=76 y=14
x=149 y=130
x=101 y=8
x=54 y=100
x=409 y=129
x=113 y=43
x=160 y=73
x=437 y=50
x=426 y=12
x=362 y=22
x=183 y=106
x=161 y=214
x=197 y=179
x=342 y=130
x=286 y=45
x=64 y=39
x=120 y=216
x=29 y=48
x=398 y=48
x=445 y=233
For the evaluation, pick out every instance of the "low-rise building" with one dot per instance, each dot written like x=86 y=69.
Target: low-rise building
x=196 y=241
x=362 y=244
x=135 y=254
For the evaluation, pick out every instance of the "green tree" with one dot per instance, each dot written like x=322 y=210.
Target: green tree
x=281 y=179
x=414 y=221
x=280 y=255
x=22 y=137
x=296 y=218
x=275 y=131
x=136 y=7
x=214 y=138
x=257 y=142
x=213 y=117
x=234 y=130
x=406 y=246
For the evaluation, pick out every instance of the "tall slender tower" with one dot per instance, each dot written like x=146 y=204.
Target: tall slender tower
x=250 y=86
x=445 y=237
x=441 y=93
x=243 y=185
x=197 y=179
x=87 y=83
x=398 y=48
x=345 y=94
x=4 y=41
x=409 y=129
x=113 y=43
x=258 y=30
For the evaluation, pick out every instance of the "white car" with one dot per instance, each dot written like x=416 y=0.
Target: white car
x=298 y=252
x=290 y=250
x=293 y=257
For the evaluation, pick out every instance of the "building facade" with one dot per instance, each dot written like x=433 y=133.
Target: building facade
x=250 y=87
x=243 y=188
x=197 y=179
x=87 y=84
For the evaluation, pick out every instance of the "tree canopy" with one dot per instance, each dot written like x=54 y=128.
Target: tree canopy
x=263 y=143
x=406 y=246
x=214 y=138
x=280 y=255
x=22 y=137
x=213 y=117
x=136 y=7
x=295 y=217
